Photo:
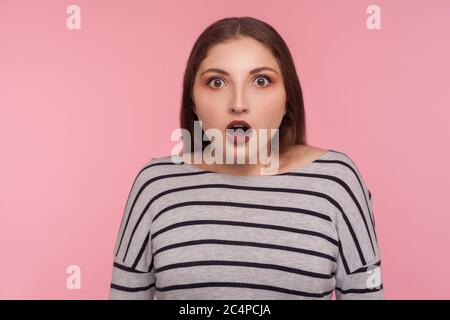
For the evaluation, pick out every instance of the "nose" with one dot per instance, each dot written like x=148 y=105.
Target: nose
x=238 y=106
x=239 y=109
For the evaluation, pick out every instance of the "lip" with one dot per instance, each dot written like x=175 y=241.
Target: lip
x=241 y=122
x=241 y=139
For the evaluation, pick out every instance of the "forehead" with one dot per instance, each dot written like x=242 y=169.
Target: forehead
x=237 y=55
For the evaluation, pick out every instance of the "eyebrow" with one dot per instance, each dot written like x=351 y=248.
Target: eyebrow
x=256 y=70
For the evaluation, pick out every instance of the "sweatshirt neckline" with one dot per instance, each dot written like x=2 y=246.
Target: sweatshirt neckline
x=232 y=176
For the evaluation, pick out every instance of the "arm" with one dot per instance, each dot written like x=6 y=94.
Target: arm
x=133 y=275
x=362 y=284
x=358 y=271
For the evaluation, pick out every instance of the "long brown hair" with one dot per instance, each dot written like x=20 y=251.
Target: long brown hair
x=292 y=129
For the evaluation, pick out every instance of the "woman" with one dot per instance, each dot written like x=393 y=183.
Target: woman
x=227 y=231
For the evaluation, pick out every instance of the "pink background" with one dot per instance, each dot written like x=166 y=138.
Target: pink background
x=82 y=110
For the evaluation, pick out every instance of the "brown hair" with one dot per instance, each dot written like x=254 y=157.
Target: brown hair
x=292 y=128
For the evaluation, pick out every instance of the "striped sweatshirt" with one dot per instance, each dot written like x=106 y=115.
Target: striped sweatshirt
x=189 y=233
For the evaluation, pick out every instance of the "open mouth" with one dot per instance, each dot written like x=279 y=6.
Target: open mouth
x=238 y=132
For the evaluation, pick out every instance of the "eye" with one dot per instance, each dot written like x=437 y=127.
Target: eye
x=268 y=79
x=214 y=81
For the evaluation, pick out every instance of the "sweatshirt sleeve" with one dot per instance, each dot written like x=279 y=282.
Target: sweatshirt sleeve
x=358 y=271
x=133 y=276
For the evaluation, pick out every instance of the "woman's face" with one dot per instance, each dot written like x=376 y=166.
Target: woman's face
x=228 y=87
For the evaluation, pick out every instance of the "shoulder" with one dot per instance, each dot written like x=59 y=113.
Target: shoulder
x=354 y=220
x=155 y=167
x=342 y=163
x=354 y=166
x=333 y=160
x=346 y=171
x=356 y=197
x=150 y=177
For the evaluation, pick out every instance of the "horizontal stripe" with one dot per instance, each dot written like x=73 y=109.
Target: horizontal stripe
x=131 y=289
x=245 y=224
x=243 y=264
x=125 y=268
x=365 y=269
x=245 y=243
x=243 y=205
x=360 y=291
x=243 y=285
